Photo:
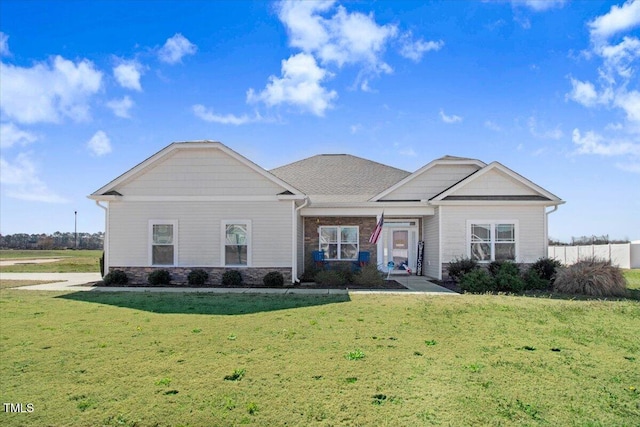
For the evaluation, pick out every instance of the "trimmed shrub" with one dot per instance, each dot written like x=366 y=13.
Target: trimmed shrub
x=533 y=281
x=507 y=278
x=369 y=275
x=496 y=266
x=159 y=278
x=594 y=277
x=477 y=281
x=197 y=277
x=115 y=278
x=459 y=267
x=546 y=268
x=330 y=278
x=232 y=278
x=273 y=279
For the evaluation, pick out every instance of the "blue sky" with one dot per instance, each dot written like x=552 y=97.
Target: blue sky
x=551 y=89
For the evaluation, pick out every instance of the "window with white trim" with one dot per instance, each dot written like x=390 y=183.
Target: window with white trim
x=492 y=241
x=236 y=238
x=339 y=242
x=162 y=242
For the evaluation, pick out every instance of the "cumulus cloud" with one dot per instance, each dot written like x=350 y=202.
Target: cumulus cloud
x=11 y=135
x=121 y=107
x=99 y=144
x=539 y=5
x=449 y=119
x=176 y=48
x=128 y=74
x=20 y=180
x=49 y=91
x=4 y=44
x=299 y=85
x=594 y=143
x=492 y=126
x=227 y=119
x=415 y=49
x=618 y=19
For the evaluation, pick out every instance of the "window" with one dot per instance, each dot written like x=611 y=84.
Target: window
x=237 y=243
x=339 y=243
x=163 y=238
x=492 y=241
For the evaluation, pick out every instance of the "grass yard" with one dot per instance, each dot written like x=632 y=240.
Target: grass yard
x=72 y=261
x=147 y=359
x=6 y=284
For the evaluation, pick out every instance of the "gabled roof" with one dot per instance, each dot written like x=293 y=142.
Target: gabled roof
x=542 y=194
x=339 y=177
x=446 y=160
x=108 y=190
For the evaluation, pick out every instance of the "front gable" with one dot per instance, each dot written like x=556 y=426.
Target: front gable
x=199 y=169
x=496 y=182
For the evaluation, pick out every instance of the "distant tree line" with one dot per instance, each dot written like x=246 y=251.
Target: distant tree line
x=587 y=240
x=56 y=240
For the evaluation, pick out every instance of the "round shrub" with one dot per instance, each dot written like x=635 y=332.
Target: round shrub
x=507 y=278
x=115 y=278
x=197 y=277
x=508 y=267
x=461 y=266
x=533 y=281
x=592 y=277
x=232 y=278
x=477 y=281
x=159 y=278
x=369 y=275
x=330 y=278
x=546 y=268
x=273 y=279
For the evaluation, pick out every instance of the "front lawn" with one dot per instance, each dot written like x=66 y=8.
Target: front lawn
x=71 y=261
x=152 y=359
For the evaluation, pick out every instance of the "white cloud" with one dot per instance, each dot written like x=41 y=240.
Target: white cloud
x=450 y=119
x=409 y=152
x=10 y=135
x=49 y=91
x=593 y=143
x=4 y=44
x=355 y=128
x=299 y=86
x=99 y=144
x=630 y=103
x=344 y=38
x=618 y=19
x=583 y=93
x=539 y=5
x=121 y=107
x=175 y=48
x=545 y=133
x=228 y=119
x=629 y=167
x=21 y=181
x=128 y=74
x=414 y=50
x=492 y=126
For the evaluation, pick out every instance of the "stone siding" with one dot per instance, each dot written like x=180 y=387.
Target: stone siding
x=250 y=276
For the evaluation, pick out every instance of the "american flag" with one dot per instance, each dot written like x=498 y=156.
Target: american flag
x=376 y=232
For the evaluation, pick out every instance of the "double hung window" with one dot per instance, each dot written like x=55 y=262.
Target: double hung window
x=339 y=242
x=163 y=240
x=492 y=241
x=237 y=243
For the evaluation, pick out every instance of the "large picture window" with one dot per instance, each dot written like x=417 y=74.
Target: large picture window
x=339 y=242
x=492 y=241
x=237 y=243
x=162 y=250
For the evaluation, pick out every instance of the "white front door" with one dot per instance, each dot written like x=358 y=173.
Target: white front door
x=400 y=245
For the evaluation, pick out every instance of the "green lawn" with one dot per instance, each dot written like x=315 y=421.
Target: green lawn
x=92 y=358
x=71 y=261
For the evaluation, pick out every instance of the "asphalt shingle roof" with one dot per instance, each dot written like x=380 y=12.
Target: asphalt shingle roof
x=339 y=177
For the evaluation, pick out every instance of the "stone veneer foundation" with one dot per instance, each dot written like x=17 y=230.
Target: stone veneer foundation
x=250 y=276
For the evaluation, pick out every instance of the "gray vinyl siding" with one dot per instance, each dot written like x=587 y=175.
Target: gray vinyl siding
x=199 y=231
x=431 y=182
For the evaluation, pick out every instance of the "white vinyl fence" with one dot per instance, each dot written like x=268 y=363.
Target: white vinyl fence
x=624 y=255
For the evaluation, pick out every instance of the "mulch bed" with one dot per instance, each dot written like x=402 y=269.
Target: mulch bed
x=388 y=284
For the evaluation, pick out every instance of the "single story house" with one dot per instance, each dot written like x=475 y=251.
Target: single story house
x=202 y=205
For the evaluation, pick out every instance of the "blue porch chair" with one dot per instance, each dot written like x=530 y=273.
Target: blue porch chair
x=319 y=259
x=363 y=259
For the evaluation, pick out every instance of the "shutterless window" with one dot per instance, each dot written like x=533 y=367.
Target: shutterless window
x=493 y=242
x=162 y=244
x=236 y=244
x=339 y=243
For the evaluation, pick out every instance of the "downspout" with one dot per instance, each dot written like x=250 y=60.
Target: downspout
x=294 y=240
x=106 y=235
x=546 y=230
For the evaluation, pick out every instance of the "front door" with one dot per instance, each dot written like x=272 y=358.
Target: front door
x=400 y=246
x=399 y=249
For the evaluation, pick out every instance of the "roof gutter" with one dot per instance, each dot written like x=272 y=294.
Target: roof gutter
x=294 y=240
x=546 y=229
x=105 y=244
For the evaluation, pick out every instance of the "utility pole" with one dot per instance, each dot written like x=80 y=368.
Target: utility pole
x=75 y=241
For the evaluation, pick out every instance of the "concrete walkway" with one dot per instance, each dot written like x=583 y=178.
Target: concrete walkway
x=74 y=282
